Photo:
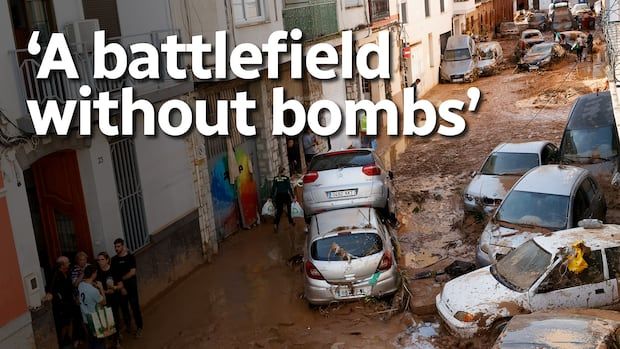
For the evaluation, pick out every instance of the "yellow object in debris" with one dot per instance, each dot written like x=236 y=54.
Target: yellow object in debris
x=576 y=263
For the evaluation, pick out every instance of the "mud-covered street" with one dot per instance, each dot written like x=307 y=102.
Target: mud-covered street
x=251 y=294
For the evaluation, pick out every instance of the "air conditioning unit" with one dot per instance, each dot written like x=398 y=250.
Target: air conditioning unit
x=80 y=34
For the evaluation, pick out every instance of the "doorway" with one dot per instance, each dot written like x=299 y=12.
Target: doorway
x=58 y=211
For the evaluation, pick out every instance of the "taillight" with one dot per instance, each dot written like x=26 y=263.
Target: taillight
x=371 y=170
x=311 y=177
x=386 y=262
x=312 y=271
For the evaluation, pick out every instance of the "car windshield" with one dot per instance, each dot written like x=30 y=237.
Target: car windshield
x=521 y=267
x=538 y=49
x=584 y=144
x=331 y=161
x=509 y=163
x=346 y=246
x=488 y=54
x=460 y=54
x=534 y=209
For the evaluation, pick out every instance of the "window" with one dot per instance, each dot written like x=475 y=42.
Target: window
x=365 y=86
x=580 y=206
x=442 y=6
x=350 y=3
x=561 y=278
x=248 y=10
x=587 y=187
x=613 y=262
x=427 y=9
x=431 y=55
x=346 y=246
x=403 y=12
x=502 y=164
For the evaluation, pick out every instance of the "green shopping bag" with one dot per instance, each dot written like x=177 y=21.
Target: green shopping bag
x=101 y=322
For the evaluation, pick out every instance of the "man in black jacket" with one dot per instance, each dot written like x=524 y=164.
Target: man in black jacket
x=281 y=194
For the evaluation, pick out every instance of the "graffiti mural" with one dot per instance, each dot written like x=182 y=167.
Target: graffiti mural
x=224 y=195
x=247 y=188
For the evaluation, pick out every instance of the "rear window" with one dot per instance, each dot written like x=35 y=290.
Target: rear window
x=509 y=163
x=331 y=161
x=346 y=246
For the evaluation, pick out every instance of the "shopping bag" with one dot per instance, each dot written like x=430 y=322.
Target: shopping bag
x=296 y=210
x=268 y=209
x=101 y=322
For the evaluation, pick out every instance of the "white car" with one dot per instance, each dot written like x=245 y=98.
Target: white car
x=534 y=277
x=579 y=9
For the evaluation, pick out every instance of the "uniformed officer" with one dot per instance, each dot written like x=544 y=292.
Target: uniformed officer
x=282 y=194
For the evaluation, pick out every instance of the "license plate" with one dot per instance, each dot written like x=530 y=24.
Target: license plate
x=458 y=80
x=344 y=292
x=534 y=67
x=341 y=193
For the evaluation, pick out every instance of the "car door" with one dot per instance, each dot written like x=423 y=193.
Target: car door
x=580 y=206
x=612 y=255
x=562 y=288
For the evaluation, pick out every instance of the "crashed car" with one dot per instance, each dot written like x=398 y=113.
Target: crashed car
x=569 y=38
x=537 y=20
x=491 y=57
x=583 y=328
x=349 y=254
x=541 y=56
x=574 y=268
x=546 y=199
x=346 y=178
x=459 y=62
x=590 y=137
x=502 y=168
x=509 y=29
x=532 y=37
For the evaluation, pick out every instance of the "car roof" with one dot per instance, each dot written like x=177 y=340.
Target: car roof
x=343 y=219
x=525 y=147
x=592 y=110
x=551 y=179
x=595 y=239
x=458 y=41
x=553 y=328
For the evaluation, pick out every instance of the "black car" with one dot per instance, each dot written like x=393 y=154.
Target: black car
x=591 y=137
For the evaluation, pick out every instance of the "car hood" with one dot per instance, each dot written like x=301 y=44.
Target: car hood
x=491 y=186
x=534 y=58
x=503 y=239
x=480 y=294
x=486 y=63
x=456 y=67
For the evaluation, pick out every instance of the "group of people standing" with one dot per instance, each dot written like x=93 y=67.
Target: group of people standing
x=76 y=292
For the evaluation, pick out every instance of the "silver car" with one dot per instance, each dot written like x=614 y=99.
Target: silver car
x=346 y=178
x=502 y=168
x=546 y=199
x=349 y=254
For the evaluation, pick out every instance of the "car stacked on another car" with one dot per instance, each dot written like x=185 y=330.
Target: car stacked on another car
x=501 y=169
x=349 y=252
x=546 y=199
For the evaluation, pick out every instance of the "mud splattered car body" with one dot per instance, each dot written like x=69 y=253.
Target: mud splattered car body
x=533 y=277
x=541 y=56
x=546 y=199
x=501 y=170
x=491 y=57
x=580 y=329
x=348 y=254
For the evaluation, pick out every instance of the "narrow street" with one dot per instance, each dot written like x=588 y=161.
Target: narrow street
x=251 y=293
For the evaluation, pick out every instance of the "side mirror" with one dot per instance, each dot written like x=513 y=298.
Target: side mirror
x=473 y=174
x=390 y=175
x=615 y=180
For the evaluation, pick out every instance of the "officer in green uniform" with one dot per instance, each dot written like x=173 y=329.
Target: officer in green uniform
x=282 y=194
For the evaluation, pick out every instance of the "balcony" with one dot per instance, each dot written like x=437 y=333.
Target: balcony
x=379 y=9
x=58 y=87
x=314 y=18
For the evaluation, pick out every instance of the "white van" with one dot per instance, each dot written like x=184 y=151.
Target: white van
x=459 y=62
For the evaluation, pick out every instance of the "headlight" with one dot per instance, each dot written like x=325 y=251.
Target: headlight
x=468 y=197
x=464 y=316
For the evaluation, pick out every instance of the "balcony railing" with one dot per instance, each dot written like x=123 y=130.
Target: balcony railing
x=59 y=87
x=314 y=18
x=379 y=9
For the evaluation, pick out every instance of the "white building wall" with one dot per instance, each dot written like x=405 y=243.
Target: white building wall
x=426 y=55
x=153 y=15
x=67 y=11
x=166 y=178
x=21 y=221
x=100 y=195
x=10 y=100
x=349 y=17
